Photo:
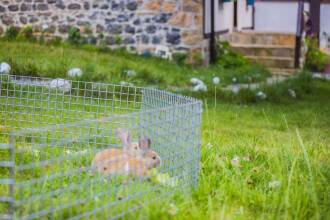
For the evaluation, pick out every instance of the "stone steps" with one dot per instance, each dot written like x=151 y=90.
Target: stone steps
x=273 y=61
x=264 y=50
x=275 y=51
x=257 y=38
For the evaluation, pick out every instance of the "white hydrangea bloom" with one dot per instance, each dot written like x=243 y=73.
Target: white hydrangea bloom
x=196 y=81
x=200 y=88
x=5 y=68
x=75 y=72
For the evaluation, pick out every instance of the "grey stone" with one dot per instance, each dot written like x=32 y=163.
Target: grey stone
x=99 y=28
x=26 y=7
x=91 y=40
x=137 y=21
x=86 y=5
x=110 y=40
x=83 y=23
x=13 y=7
x=145 y=39
x=33 y=19
x=74 y=6
x=162 y=18
x=122 y=18
x=151 y=29
x=115 y=29
x=63 y=28
x=132 y=5
x=23 y=20
x=51 y=1
x=129 y=40
x=173 y=38
x=104 y=7
x=156 y=40
x=130 y=29
x=7 y=20
x=2 y=9
x=109 y=21
x=42 y=7
x=60 y=4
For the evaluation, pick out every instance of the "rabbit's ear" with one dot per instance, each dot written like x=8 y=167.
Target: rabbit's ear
x=144 y=143
x=124 y=136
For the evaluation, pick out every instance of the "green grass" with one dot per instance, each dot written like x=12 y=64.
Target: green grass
x=259 y=159
x=105 y=65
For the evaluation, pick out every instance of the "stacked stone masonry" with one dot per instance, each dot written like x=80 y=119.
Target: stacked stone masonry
x=140 y=25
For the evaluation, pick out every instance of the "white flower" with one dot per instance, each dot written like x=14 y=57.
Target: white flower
x=131 y=73
x=196 y=81
x=234 y=80
x=75 y=72
x=216 y=80
x=5 y=68
x=200 y=88
x=274 y=184
x=235 y=161
x=261 y=95
x=292 y=93
x=60 y=84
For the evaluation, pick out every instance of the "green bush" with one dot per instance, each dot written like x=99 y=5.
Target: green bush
x=315 y=58
x=227 y=58
x=11 y=33
x=26 y=34
x=74 y=36
x=179 y=58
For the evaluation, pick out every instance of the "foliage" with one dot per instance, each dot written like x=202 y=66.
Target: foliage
x=74 y=36
x=315 y=58
x=118 y=39
x=11 y=33
x=179 y=58
x=26 y=34
x=227 y=58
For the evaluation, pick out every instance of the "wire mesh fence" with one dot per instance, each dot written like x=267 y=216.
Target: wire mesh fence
x=52 y=132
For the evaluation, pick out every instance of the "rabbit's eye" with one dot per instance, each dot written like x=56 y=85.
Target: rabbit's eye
x=104 y=168
x=136 y=148
x=154 y=157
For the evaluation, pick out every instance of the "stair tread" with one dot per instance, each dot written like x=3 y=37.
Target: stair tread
x=265 y=46
x=270 y=58
x=253 y=32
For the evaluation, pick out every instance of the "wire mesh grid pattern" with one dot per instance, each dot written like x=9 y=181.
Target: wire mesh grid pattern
x=50 y=133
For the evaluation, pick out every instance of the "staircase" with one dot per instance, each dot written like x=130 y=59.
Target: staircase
x=276 y=51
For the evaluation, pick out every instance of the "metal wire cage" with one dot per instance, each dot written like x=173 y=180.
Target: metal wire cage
x=50 y=131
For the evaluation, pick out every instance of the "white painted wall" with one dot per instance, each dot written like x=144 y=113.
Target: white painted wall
x=277 y=16
x=324 y=25
x=223 y=16
x=244 y=12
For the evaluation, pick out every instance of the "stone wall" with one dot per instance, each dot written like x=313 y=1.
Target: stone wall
x=139 y=24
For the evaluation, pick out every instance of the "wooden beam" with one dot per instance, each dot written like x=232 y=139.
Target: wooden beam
x=213 y=53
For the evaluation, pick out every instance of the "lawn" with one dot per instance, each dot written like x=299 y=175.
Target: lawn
x=260 y=159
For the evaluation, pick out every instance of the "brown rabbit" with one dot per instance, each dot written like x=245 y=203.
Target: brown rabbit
x=135 y=159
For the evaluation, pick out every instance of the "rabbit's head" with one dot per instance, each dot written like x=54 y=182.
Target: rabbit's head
x=132 y=149
x=150 y=157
